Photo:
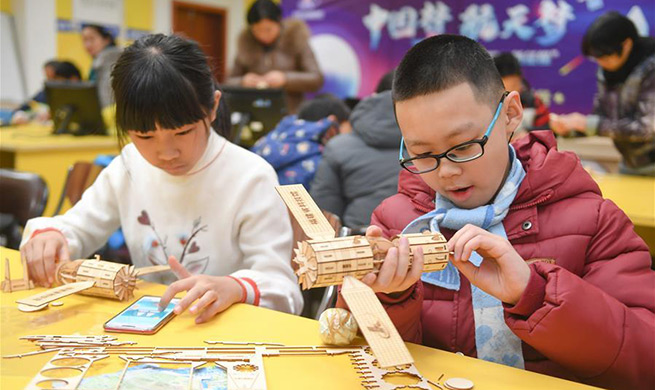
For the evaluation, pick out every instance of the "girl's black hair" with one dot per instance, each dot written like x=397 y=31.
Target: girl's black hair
x=263 y=9
x=161 y=80
x=606 y=35
x=103 y=33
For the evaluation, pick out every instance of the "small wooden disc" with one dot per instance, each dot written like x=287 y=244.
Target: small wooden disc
x=57 y=304
x=29 y=309
x=458 y=384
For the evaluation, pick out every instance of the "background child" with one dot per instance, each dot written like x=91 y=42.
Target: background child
x=546 y=274
x=294 y=148
x=181 y=193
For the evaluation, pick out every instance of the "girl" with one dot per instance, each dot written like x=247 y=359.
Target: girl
x=179 y=191
x=100 y=45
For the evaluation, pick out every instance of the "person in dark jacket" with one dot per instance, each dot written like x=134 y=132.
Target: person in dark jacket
x=359 y=169
x=546 y=275
x=624 y=106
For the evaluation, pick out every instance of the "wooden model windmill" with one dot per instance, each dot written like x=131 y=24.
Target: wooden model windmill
x=325 y=260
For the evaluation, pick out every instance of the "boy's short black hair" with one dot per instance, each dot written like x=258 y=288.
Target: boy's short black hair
x=323 y=106
x=606 y=35
x=263 y=9
x=445 y=61
x=507 y=65
x=66 y=70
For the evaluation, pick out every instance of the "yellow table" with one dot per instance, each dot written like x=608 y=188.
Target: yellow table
x=33 y=148
x=635 y=195
x=85 y=315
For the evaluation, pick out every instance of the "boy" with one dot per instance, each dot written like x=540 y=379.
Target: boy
x=545 y=275
x=535 y=112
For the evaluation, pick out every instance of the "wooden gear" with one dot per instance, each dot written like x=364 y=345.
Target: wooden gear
x=325 y=260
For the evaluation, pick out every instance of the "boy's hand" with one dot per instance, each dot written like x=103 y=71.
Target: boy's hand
x=503 y=273
x=42 y=252
x=395 y=274
x=213 y=293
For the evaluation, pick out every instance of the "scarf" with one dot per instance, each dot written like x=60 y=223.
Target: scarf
x=494 y=340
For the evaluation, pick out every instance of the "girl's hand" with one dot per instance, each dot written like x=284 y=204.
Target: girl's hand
x=275 y=79
x=42 y=252
x=503 y=273
x=211 y=294
x=395 y=274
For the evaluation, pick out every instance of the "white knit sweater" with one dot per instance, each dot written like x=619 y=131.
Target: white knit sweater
x=224 y=218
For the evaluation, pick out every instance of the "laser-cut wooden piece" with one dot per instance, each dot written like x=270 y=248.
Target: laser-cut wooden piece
x=11 y=285
x=69 y=383
x=112 y=280
x=325 y=260
x=56 y=293
x=372 y=375
x=375 y=324
x=243 y=361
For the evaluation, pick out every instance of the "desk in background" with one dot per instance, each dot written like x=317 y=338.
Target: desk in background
x=598 y=149
x=85 y=315
x=33 y=148
x=635 y=195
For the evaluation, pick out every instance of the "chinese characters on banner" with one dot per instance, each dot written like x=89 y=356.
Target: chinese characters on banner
x=369 y=38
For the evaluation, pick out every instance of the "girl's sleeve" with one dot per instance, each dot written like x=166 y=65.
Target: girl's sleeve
x=264 y=235
x=91 y=221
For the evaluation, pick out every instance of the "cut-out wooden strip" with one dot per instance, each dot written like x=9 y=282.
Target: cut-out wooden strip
x=306 y=212
x=373 y=320
x=56 y=293
x=152 y=269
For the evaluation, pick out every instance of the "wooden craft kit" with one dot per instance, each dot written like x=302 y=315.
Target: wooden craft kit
x=242 y=361
x=325 y=260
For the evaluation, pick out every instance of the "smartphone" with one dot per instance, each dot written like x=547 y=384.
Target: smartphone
x=142 y=316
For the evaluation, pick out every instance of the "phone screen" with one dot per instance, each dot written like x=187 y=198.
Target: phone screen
x=142 y=315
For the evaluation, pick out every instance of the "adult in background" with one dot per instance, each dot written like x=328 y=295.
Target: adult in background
x=275 y=53
x=101 y=45
x=624 y=106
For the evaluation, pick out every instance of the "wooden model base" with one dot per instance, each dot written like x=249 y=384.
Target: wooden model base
x=11 y=285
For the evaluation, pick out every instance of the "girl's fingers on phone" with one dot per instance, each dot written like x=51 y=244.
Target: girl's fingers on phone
x=209 y=297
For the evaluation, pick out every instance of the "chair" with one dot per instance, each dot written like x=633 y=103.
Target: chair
x=80 y=177
x=318 y=299
x=23 y=196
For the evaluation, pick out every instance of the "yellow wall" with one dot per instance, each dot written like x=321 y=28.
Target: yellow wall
x=138 y=15
x=5 y=6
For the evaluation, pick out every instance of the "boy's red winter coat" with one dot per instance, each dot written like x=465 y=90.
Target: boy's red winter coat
x=588 y=313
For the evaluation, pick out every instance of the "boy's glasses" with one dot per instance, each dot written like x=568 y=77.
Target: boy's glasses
x=461 y=153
